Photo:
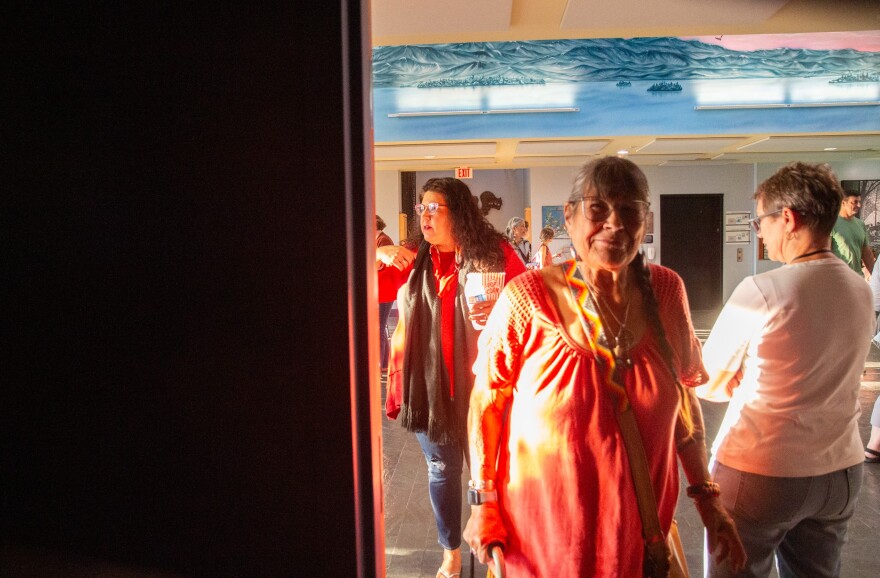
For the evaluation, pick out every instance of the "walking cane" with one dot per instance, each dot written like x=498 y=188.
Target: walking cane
x=498 y=557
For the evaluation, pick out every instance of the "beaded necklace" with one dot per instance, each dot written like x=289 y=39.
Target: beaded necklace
x=810 y=254
x=624 y=338
x=592 y=324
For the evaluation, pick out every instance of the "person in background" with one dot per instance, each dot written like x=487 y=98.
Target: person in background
x=849 y=238
x=516 y=234
x=551 y=474
x=787 y=353
x=435 y=342
x=544 y=258
x=872 y=450
x=874 y=282
x=386 y=301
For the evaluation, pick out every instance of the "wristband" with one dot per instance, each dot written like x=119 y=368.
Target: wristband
x=481 y=492
x=705 y=490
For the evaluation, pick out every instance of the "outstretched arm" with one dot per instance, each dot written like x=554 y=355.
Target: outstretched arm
x=720 y=386
x=394 y=255
x=723 y=538
x=485 y=423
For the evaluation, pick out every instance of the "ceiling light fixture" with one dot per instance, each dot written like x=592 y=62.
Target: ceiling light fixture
x=623 y=152
x=830 y=149
x=475 y=112
x=780 y=105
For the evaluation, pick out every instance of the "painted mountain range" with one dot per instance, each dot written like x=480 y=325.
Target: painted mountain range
x=606 y=59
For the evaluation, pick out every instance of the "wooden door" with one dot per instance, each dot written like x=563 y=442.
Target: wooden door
x=691 y=242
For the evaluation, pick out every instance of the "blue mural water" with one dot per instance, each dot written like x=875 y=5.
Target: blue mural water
x=619 y=86
x=601 y=59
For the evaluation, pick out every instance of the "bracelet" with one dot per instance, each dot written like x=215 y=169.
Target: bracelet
x=704 y=490
x=481 y=492
x=482 y=484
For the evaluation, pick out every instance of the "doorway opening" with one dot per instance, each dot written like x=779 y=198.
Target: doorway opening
x=691 y=243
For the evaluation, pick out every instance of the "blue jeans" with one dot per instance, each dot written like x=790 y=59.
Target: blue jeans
x=384 y=345
x=445 y=463
x=802 y=521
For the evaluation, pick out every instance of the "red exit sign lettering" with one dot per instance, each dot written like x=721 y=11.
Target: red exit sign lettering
x=464 y=173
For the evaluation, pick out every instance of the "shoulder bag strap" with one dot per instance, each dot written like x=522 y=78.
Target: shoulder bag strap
x=629 y=429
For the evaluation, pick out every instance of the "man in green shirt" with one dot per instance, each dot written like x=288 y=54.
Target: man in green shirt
x=849 y=239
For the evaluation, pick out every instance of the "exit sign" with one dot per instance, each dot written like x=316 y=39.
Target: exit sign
x=464 y=173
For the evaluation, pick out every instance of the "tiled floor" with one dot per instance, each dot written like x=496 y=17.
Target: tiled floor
x=411 y=549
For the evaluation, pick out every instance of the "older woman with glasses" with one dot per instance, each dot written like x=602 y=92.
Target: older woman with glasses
x=435 y=342
x=571 y=354
x=787 y=353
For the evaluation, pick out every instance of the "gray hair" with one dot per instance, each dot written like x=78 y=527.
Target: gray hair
x=812 y=191
x=511 y=224
x=610 y=177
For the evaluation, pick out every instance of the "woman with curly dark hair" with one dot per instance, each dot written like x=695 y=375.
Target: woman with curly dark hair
x=435 y=342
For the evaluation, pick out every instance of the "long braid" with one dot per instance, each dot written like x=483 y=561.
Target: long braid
x=642 y=273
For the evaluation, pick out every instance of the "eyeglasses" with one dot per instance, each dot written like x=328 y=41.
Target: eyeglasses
x=598 y=209
x=431 y=208
x=756 y=222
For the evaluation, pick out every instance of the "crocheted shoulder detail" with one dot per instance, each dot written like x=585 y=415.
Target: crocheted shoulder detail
x=527 y=296
x=668 y=286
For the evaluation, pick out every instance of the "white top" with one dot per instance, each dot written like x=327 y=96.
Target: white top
x=875 y=284
x=801 y=334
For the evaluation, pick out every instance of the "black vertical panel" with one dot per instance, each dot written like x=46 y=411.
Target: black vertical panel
x=367 y=410
x=691 y=243
x=176 y=347
x=409 y=194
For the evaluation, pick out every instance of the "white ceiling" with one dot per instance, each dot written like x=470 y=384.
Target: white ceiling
x=397 y=22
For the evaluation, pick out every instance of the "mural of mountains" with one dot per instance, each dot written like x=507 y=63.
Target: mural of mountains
x=604 y=59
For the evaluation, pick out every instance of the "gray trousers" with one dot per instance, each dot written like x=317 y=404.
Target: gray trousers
x=875 y=414
x=800 y=521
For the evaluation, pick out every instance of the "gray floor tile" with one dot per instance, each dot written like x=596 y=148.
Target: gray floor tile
x=411 y=547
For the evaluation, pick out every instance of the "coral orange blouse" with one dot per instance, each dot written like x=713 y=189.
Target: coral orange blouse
x=566 y=491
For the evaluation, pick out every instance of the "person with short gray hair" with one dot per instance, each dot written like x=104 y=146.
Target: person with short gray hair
x=787 y=353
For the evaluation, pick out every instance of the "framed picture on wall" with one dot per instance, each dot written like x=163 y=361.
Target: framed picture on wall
x=869 y=191
x=553 y=217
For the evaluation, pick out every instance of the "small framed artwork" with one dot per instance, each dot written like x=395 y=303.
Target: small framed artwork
x=649 y=224
x=737 y=237
x=552 y=216
x=648 y=239
x=737 y=218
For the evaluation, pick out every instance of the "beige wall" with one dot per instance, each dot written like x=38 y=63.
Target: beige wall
x=388 y=201
x=552 y=186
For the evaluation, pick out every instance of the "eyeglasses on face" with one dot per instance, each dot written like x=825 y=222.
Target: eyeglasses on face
x=598 y=209
x=756 y=222
x=431 y=208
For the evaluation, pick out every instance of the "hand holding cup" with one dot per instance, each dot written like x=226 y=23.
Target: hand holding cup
x=482 y=291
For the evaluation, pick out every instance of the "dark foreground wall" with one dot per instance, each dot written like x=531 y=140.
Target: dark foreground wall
x=176 y=393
